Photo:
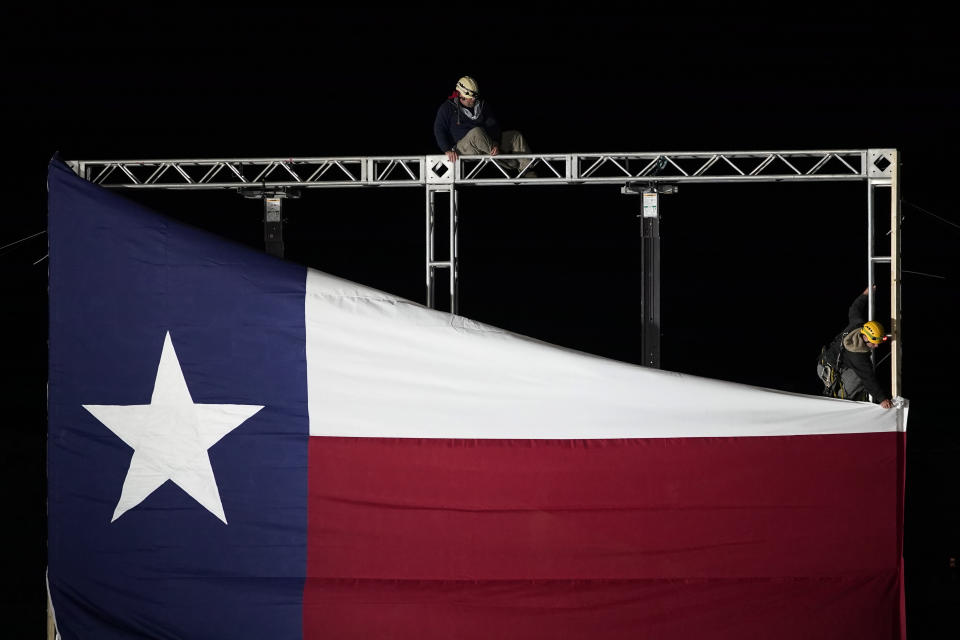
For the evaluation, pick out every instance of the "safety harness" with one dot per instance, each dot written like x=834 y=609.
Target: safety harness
x=828 y=368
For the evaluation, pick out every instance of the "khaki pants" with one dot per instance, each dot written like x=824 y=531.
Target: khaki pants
x=477 y=143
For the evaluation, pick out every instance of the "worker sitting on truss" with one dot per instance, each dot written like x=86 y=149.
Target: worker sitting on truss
x=465 y=124
x=845 y=366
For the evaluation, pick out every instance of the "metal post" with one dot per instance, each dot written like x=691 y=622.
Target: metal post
x=871 y=195
x=273 y=225
x=431 y=204
x=433 y=263
x=51 y=618
x=454 y=258
x=51 y=623
x=440 y=176
x=872 y=258
x=896 y=366
x=650 y=279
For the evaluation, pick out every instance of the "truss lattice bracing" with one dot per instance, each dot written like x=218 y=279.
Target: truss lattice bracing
x=400 y=171
x=274 y=177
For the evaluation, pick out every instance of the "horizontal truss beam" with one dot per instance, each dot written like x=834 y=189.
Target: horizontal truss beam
x=435 y=170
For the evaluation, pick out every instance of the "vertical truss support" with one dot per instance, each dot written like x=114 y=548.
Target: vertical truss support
x=435 y=260
x=896 y=274
x=440 y=176
x=884 y=173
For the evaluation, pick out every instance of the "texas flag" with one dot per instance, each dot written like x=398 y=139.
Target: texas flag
x=244 y=448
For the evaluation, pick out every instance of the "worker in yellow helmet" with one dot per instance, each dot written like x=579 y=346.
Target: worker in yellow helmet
x=466 y=125
x=845 y=366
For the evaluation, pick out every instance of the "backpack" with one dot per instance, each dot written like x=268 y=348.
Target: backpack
x=828 y=368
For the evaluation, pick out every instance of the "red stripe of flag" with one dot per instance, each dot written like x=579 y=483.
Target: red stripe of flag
x=792 y=536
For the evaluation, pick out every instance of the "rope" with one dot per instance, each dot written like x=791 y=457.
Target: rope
x=23 y=239
x=919 y=208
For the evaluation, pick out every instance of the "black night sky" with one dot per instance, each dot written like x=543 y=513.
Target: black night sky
x=754 y=277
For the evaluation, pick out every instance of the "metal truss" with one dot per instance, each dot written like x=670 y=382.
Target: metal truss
x=272 y=179
x=253 y=173
x=574 y=168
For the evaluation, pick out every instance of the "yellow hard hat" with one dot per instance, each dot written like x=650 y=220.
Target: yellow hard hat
x=873 y=332
x=468 y=87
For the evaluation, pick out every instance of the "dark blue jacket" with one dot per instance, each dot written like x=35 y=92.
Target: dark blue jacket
x=451 y=123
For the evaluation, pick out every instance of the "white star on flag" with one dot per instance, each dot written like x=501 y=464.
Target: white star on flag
x=170 y=438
